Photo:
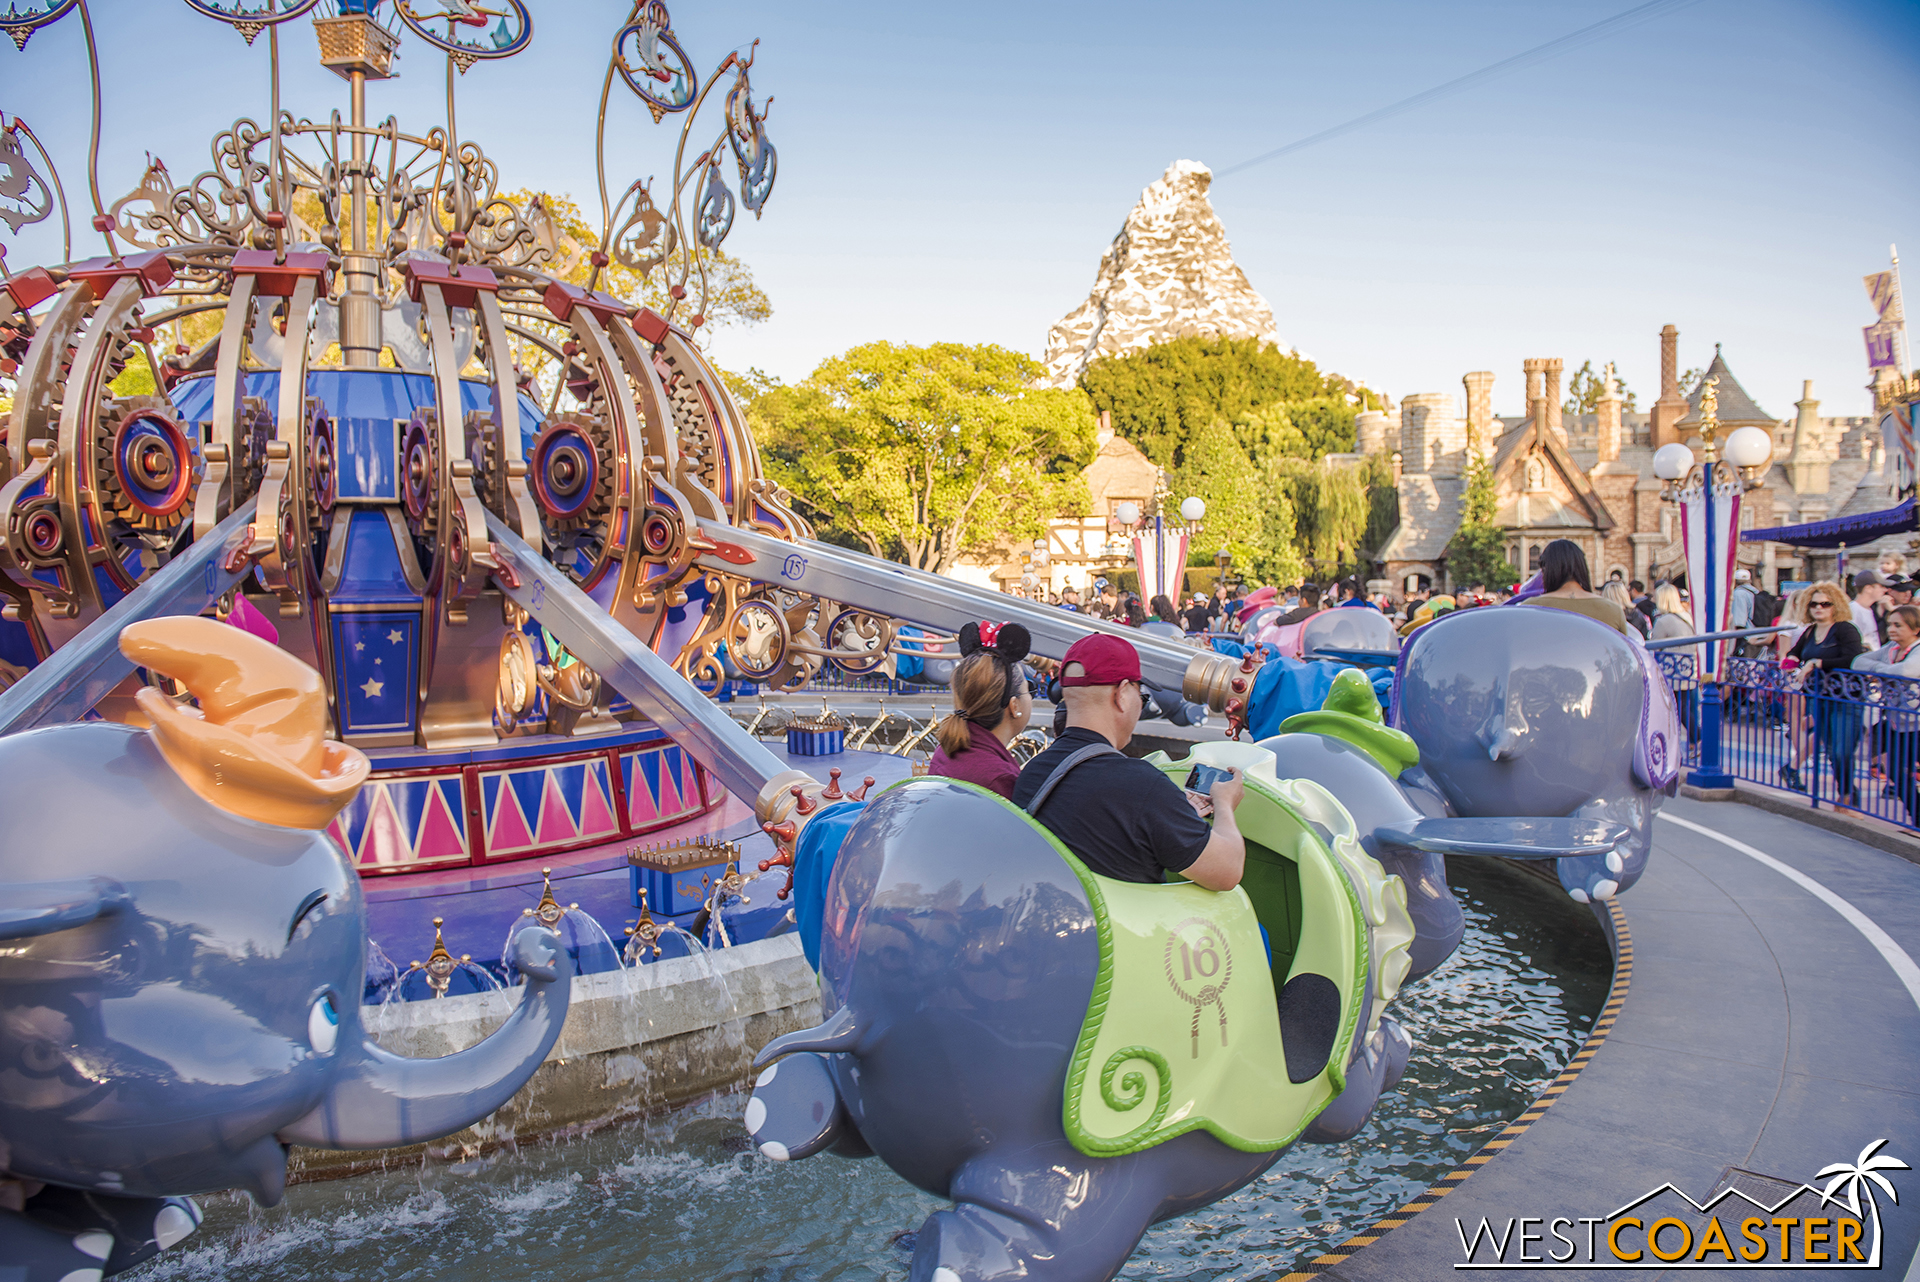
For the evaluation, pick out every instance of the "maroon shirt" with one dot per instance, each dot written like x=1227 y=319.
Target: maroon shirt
x=985 y=761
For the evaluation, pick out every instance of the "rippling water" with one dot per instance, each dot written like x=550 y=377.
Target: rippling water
x=678 y=1198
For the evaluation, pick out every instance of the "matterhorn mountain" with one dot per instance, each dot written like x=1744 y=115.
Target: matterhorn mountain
x=1169 y=274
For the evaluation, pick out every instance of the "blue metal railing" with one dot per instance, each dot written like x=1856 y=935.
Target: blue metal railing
x=1845 y=739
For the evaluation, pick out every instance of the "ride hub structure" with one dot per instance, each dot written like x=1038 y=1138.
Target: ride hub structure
x=366 y=403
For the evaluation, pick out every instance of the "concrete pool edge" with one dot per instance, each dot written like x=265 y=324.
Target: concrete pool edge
x=636 y=1042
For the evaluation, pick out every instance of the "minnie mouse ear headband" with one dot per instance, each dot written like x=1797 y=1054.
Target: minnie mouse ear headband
x=1010 y=641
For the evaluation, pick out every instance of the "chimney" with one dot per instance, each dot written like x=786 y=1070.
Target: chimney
x=1807 y=466
x=1104 y=432
x=1535 y=368
x=1663 y=425
x=1608 y=416
x=1480 y=426
x=1551 y=395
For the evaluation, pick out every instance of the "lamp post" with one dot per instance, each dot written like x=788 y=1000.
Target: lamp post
x=1160 y=543
x=1708 y=495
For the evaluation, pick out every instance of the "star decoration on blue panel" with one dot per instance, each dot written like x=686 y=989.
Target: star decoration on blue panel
x=396 y=636
x=373 y=688
x=358 y=646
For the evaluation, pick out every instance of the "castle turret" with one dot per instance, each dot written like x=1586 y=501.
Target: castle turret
x=1433 y=439
x=1481 y=427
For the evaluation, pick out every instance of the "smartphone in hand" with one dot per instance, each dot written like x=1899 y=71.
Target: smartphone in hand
x=1199 y=787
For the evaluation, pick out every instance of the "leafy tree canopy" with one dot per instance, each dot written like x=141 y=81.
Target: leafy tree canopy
x=922 y=453
x=1584 y=388
x=1161 y=396
x=1308 y=429
x=1478 y=551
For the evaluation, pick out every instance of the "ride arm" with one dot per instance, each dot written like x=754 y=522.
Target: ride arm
x=694 y=721
x=935 y=601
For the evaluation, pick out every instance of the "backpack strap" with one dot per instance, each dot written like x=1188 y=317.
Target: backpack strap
x=1074 y=758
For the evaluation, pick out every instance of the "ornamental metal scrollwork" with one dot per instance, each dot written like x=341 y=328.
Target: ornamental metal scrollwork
x=751 y=150
x=659 y=72
x=251 y=17
x=483 y=37
x=25 y=196
x=21 y=23
x=715 y=217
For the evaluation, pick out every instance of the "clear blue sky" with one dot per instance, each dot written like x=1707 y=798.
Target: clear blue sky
x=953 y=172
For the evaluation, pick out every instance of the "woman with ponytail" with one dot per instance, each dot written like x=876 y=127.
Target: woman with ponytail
x=991 y=705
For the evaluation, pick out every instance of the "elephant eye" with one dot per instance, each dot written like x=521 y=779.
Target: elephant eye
x=323 y=1025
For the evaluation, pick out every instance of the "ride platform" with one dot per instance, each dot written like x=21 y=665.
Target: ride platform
x=1764 y=1024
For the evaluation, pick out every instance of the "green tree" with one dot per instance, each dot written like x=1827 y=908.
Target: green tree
x=1217 y=470
x=1383 y=502
x=1584 y=388
x=922 y=453
x=1331 y=506
x=1308 y=429
x=1161 y=396
x=1478 y=550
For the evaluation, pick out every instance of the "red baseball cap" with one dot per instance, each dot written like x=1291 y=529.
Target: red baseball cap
x=1107 y=661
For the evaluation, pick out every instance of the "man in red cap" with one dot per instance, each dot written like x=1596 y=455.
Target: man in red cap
x=1117 y=814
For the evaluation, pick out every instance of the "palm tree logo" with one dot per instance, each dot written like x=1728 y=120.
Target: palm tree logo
x=1854 y=1179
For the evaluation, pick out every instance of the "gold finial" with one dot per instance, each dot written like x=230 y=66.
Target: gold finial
x=548 y=910
x=1709 y=411
x=439 y=963
x=645 y=933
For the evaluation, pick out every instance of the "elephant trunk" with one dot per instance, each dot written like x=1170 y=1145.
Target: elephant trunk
x=381 y=1100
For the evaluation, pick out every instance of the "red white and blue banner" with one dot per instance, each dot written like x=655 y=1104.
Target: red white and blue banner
x=1710 y=531
x=1160 y=555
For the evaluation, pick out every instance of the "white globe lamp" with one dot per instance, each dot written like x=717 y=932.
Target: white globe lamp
x=1671 y=462
x=1193 y=508
x=1749 y=447
x=1127 y=512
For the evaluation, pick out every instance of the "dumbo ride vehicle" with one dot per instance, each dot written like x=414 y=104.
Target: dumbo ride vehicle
x=1071 y=1058
x=182 y=955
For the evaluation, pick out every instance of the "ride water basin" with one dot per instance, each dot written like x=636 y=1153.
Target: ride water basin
x=683 y=1195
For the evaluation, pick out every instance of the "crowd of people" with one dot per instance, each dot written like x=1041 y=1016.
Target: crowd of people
x=1871 y=623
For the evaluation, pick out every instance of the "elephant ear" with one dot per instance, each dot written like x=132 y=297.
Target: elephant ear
x=43 y=907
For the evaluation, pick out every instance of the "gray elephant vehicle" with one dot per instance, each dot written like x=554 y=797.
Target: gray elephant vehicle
x=1527 y=713
x=184 y=958
x=1072 y=1059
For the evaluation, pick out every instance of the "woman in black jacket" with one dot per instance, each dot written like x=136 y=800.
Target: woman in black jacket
x=1829 y=644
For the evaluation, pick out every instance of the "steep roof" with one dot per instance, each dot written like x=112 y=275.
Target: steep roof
x=1513 y=447
x=1735 y=406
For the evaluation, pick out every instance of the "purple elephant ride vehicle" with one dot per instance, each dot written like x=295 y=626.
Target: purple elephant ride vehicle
x=180 y=990
x=1072 y=1059
x=1526 y=713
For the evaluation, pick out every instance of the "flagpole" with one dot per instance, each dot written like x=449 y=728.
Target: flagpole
x=1901 y=311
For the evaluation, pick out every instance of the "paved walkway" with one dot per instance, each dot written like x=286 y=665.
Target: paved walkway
x=1762 y=1031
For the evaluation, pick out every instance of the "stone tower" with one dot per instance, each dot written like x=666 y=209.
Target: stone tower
x=1433 y=440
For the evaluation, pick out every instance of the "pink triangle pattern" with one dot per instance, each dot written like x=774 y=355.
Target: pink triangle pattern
x=690 y=781
x=439 y=838
x=509 y=826
x=338 y=831
x=556 y=825
x=596 y=815
x=669 y=795
x=640 y=804
x=385 y=841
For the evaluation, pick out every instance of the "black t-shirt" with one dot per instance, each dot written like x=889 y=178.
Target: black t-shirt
x=1123 y=818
